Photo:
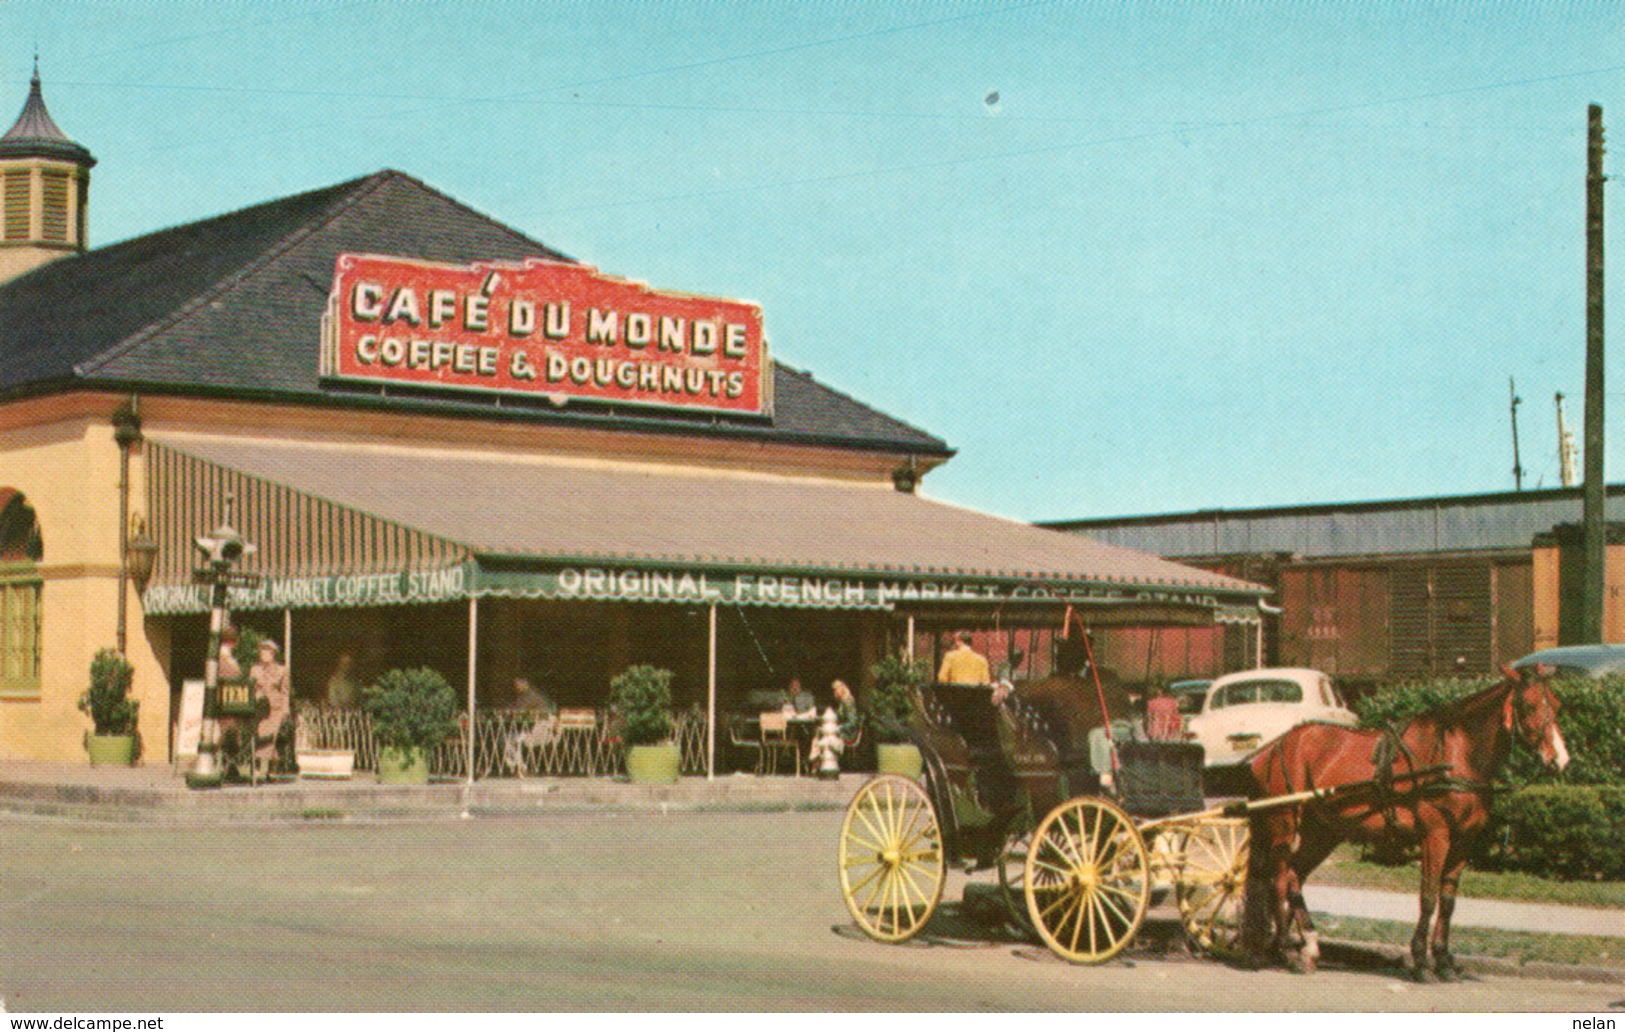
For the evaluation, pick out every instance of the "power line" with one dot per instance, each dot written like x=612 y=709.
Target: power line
x=788 y=49
x=522 y=94
x=224 y=31
x=534 y=97
x=1151 y=134
x=741 y=109
x=528 y=95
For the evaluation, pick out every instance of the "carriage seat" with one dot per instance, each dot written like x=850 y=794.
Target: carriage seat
x=1159 y=779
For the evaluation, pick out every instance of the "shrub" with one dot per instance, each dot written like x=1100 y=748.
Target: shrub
x=247 y=650
x=1573 y=831
x=897 y=681
x=1592 y=715
x=1397 y=703
x=641 y=696
x=107 y=700
x=411 y=709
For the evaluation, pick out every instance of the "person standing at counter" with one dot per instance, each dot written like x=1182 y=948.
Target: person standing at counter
x=341 y=686
x=963 y=664
x=270 y=680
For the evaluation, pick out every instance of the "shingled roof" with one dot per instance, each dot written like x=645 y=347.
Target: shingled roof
x=231 y=306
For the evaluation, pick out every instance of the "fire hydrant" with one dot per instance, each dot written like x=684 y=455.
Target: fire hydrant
x=826 y=748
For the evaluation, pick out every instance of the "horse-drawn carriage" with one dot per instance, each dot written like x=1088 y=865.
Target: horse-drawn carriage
x=1081 y=838
x=1080 y=830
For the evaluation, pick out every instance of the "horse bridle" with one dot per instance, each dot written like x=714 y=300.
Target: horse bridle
x=1518 y=712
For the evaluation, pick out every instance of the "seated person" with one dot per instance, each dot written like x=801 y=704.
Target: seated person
x=847 y=715
x=1163 y=722
x=543 y=731
x=1102 y=748
x=798 y=702
x=526 y=697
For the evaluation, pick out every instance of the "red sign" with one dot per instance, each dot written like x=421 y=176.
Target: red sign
x=542 y=327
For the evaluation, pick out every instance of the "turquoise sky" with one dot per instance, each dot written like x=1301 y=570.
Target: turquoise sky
x=1222 y=254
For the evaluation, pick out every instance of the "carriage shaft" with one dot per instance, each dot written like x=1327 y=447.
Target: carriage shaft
x=1243 y=807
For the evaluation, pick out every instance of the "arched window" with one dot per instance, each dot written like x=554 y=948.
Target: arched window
x=20 y=552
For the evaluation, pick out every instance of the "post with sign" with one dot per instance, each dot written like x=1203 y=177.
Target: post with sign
x=221 y=549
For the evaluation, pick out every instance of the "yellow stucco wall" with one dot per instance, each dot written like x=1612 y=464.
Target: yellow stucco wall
x=63 y=459
x=60 y=453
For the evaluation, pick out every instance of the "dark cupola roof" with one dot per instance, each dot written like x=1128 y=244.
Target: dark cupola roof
x=36 y=134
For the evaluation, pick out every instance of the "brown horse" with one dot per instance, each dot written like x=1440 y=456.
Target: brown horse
x=1376 y=796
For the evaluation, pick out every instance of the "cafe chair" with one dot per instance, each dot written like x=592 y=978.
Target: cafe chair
x=776 y=740
x=744 y=737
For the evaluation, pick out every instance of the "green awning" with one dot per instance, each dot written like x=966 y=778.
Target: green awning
x=345 y=525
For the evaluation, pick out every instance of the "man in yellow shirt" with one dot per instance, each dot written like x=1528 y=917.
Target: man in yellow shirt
x=963 y=664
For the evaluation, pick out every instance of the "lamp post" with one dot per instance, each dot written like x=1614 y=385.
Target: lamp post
x=127 y=434
x=221 y=549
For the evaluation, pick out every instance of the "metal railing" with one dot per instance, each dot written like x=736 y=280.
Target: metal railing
x=507 y=743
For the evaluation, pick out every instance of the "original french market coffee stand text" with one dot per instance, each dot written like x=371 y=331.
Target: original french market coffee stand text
x=607 y=584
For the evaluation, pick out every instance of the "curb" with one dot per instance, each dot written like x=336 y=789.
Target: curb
x=1386 y=955
x=362 y=800
x=1164 y=936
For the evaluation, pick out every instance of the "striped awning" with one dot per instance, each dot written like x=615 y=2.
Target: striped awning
x=387 y=524
x=310 y=551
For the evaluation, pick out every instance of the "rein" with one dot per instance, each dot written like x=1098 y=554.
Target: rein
x=1392 y=745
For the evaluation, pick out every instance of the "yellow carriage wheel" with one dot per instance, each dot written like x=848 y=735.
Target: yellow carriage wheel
x=1212 y=882
x=892 y=867
x=1088 y=879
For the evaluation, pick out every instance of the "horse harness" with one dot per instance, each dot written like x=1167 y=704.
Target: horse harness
x=1435 y=780
x=1390 y=746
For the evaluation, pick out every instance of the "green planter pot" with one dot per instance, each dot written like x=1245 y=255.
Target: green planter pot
x=653 y=764
x=899 y=759
x=402 y=766
x=111 y=750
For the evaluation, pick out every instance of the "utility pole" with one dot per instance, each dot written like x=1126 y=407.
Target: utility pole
x=1594 y=591
x=1517 y=462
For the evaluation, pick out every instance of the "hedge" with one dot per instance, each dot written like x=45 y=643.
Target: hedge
x=1591 y=713
x=1574 y=831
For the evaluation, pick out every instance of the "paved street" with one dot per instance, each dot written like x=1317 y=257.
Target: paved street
x=687 y=911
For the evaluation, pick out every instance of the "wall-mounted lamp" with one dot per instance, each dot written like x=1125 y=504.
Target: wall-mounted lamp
x=140 y=552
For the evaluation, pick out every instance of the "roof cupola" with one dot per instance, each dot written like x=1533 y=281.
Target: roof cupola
x=44 y=189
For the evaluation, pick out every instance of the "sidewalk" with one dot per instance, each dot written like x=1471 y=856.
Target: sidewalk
x=1484 y=913
x=155 y=793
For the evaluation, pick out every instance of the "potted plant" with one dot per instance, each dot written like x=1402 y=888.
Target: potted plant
x=111 y=710
x=641 y=698
x=412 y=712
x=897 y=685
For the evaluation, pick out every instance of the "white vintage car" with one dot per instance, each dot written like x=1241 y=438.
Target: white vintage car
x=1244 y=710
